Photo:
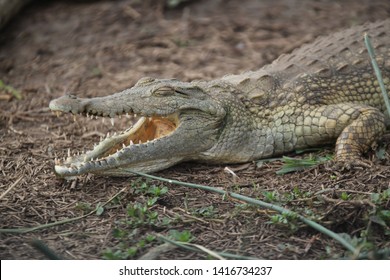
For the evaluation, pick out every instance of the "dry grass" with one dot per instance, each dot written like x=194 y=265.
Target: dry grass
x=97 y=48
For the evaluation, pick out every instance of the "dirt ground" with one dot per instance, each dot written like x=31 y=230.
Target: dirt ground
x=95 y=48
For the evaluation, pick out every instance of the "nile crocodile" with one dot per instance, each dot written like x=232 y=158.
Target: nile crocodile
x=322 y=93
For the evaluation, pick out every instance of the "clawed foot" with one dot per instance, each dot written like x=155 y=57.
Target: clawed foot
x=348 y=164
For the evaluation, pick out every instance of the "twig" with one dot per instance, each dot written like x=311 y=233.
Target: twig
x=10 y=188
x=362 y=202
x=199 y=249
x=155 y=252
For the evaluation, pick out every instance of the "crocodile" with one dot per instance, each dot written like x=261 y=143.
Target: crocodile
x=322 y=93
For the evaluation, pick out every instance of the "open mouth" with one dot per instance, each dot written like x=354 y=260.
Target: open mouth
x=144 y=132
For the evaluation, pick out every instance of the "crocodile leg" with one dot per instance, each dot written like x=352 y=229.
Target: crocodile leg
x=356 y=128
x=367 y=124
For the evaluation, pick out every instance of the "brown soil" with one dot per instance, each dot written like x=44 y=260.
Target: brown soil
x=94 y=48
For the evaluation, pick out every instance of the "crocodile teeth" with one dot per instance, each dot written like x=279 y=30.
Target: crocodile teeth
x=112 y=121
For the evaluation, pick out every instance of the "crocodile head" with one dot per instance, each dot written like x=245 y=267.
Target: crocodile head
x=176 y=122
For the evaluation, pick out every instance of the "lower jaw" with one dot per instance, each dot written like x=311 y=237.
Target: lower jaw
x=146 y=129
x=118 y=171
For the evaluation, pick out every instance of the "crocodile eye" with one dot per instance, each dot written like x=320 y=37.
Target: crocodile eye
x=71 y=96
x=144 y=81
x=164 y=91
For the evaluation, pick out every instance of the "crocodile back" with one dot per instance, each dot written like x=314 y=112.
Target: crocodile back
x=318 y=73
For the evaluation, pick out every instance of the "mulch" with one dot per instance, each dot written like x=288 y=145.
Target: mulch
x=95 y=48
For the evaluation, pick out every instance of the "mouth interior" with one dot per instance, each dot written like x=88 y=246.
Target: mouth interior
x=146 y=129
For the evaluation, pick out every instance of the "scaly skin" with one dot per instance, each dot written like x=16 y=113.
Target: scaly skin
x=321 y=93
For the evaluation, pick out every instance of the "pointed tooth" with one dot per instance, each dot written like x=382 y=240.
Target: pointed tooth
x=74 y=118
x=58 y=113
x=87 y=115
x=96 y=117
x=112 y=121
x=103 y=120
x=135 y=115
x=119 y=116
x=108 y=135
x=139 y=142
x=127 y=115
x=91 y=117
x=114 y=133
x=68 y=152
x=85 y=158
x=150 y=118
x=131 y=142
x=123 y=145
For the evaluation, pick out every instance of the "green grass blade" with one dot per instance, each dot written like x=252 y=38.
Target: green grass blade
x=377 y=71
x=16 y=93
x=296 y=164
